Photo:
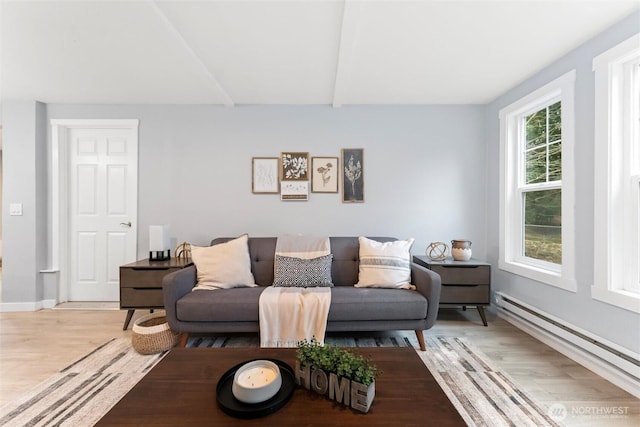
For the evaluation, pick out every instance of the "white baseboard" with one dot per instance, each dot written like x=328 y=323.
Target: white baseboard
x=579 y=355
x=49 y=303
x=27 y=306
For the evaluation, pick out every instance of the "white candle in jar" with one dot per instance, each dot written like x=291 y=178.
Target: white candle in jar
x=256 y=381
x=256 y=377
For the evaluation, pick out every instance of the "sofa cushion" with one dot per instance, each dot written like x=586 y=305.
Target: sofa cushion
x=226 y=265
x=306 y=273
x=384 y=264
x=347 y=304
x=350 y=304
x=222 y=305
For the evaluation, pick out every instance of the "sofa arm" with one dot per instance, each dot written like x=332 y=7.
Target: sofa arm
x=174 y=286
x=429 y=284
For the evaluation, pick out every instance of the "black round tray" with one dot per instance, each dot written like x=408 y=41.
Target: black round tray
x=232 y=406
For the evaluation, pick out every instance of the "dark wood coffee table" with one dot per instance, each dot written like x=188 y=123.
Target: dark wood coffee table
x=181 y=390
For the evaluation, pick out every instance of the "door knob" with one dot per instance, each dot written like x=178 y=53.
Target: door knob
x=128 y=224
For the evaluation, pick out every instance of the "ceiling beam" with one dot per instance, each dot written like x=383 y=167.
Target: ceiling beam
x=228 y=102
x=351 y=15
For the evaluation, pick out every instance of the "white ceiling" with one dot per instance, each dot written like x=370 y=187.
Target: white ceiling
x=337 y=52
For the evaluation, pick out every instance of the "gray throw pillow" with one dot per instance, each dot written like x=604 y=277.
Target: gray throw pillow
x=305 y=273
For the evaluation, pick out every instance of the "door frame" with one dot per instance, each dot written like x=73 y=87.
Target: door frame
x=60 y=129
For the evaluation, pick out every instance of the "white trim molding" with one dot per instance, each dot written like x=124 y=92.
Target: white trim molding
x=511 y=258
x=11 y=307
x=617 y=172
x=59 y=189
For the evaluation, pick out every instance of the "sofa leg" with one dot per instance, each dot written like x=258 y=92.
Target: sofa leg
x=184 y=337
x=421 y=340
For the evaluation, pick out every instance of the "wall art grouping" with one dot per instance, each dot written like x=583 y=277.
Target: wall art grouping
x=294 y=174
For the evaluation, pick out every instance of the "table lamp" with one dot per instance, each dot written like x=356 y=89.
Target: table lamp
x=159 y=249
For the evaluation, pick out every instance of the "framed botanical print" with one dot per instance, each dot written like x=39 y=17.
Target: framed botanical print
x=353 y=175
x=294 y=190
x=264 y=175
x=294 y=166
x=324 y=174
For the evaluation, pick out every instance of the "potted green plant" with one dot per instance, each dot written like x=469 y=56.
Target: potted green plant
x=337 y=373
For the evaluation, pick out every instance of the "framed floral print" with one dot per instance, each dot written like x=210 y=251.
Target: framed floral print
x=324 y=174
x=294 y=166
x=294 y=190
x=264 y=175
x=352 y=175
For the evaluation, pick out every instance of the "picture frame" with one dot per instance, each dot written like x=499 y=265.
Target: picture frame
x=294 y=166
x=325 y=174
x=264 y=175
x=294 y=190
x=352 y=175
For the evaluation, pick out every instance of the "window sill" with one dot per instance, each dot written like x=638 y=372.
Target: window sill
x=623 y=299
x=539 y=274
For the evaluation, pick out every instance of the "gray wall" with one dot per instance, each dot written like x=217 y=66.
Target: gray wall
x=421 y=170
x=0 y=187
x=615 y=324
x=425 y=171
x=25 y=181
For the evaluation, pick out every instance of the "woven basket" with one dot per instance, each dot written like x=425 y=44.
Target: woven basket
x=151 y=334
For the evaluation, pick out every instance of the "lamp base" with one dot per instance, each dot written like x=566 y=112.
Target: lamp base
x=159 y=255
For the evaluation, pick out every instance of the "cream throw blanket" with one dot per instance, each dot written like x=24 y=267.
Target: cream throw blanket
x=289 y=315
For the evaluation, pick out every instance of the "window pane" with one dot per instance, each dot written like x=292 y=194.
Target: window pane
x=536 y=126
x=543 y=225
x=536 y=164
x=555 y=162
x=555 y=122
x=543 y=145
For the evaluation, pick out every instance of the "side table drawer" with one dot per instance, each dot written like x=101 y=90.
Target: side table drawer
x=472 y=275
x=143 y=277
x=469 y=294
x=141 y=297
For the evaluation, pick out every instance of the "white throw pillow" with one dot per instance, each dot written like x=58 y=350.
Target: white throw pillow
x=223 y=266
x=385 y=265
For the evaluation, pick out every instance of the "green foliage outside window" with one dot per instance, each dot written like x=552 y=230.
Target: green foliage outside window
x=543 y=164
x=543 y=148
x=543 y=225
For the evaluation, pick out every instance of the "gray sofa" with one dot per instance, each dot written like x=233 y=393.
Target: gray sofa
x=352 y=309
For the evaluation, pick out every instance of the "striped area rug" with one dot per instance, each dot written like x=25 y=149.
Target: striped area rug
x=80 y=394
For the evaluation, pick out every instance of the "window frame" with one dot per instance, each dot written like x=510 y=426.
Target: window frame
x=617 y=182
x=511 y=257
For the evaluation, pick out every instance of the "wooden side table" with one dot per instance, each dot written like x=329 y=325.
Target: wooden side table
x=465 y=283
x=141 y=284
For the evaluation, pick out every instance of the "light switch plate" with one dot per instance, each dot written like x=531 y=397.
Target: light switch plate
x=15 y=209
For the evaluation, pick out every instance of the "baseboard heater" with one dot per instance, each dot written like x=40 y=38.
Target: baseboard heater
x=614 y=363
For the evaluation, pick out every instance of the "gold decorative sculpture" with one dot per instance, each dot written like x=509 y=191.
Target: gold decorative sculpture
x=183 y=251
x=437 y=251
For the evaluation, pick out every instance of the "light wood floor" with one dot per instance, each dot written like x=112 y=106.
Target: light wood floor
x=35 y=345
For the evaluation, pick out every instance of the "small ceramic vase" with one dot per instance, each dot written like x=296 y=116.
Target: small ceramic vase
x=461 y=250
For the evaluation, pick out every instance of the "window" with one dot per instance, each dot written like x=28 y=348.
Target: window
x=537 y=185
x=617 y=176
x=542 y=184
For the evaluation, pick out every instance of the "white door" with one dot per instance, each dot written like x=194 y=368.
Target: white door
x=102 y=207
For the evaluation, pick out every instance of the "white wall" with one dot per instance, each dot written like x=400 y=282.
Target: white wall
x=25 y=181
x=617 y=325
x=425 y=170
x=1 y=191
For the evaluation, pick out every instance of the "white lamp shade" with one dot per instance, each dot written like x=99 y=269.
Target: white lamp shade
x=159 y=238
